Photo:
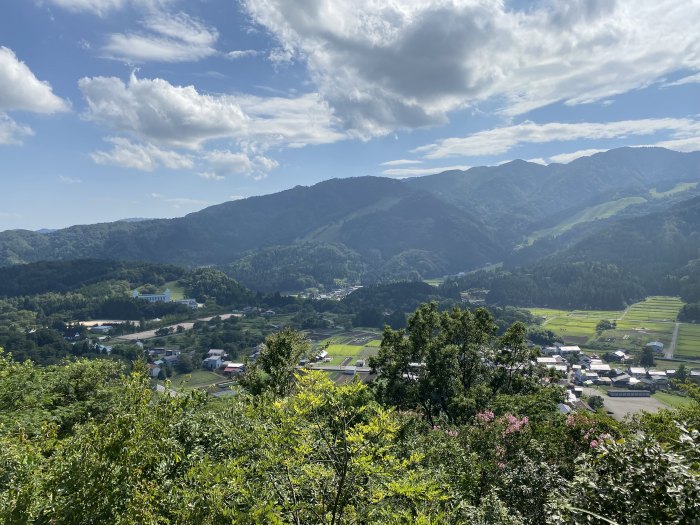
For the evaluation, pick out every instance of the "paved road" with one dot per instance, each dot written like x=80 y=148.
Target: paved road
x=148 y=334
x=668 y=352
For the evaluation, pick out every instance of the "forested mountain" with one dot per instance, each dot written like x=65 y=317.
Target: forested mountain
x=380 y=218
x=521 y=198
x=624 y=207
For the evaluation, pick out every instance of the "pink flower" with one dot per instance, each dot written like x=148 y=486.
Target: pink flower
x=570 y=420
x=452 y=433
x=485 y=417
x=501 y=465
x=594 y=443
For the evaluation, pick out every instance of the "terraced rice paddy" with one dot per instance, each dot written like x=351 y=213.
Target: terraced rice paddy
x=688 y=343
x=650 y=311
x=651 y=319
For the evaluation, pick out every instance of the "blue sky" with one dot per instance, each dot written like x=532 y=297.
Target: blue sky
x=156 y=108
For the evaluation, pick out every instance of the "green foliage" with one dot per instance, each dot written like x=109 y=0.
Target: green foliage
x=206 y=283
x=274 y=369
x=450 y=364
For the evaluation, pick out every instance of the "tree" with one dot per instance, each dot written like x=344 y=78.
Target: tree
x=441 y=363
x=278 y=359
x=647 y=357
x=596 y=402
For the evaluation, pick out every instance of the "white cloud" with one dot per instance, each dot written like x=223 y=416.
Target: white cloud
x=691 y=79
x=229 y=163
x=169 y=38
x=69 y=180
x=158 y=112
x=400 y=162
x=21 y=90
x=235 y=197
x=405 y=64
x=415 y=172
x=565 y=158
x=501 y=140
x=11 y=132
x=242 y=53
x=145 y=157
x=681 y=144
x=538 y=160
x=179 y=202
x=207 y=175
x=104 y=7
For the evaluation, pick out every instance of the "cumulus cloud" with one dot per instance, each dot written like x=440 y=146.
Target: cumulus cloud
x=21 y=90
x=415 y=172
x=501 y=140
x=145 y=157
x=160 y=113
x=224 y=162
x=405 y=64
x=11 y=132
x=167 y=38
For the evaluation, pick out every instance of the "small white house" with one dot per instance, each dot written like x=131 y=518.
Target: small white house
x=213 y=362
x=656 y=346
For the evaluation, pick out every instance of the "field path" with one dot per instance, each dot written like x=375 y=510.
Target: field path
x=624 y=313
x=668 y=353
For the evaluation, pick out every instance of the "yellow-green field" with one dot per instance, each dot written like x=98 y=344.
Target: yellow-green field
x=351 y=346
x=688 y=343
x=649 y=320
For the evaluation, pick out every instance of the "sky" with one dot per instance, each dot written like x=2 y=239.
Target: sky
x=113 y=109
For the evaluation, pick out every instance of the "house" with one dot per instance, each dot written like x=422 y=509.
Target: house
x=569 y=350
x=605 y=381
x=549 y=350
x=619 y=356
x=153 y=371
x=658 y=376
x=213 y=362
x=621 y=380
x=216 y=352
x=321 y=355
x=638 y=371
x=600 y=368
x=268 y=313
x=656 y=346
x=190 y=303
x=556 y=362
x=233 y=369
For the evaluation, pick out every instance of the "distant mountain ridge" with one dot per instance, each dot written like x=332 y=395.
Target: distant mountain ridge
x=381 y=228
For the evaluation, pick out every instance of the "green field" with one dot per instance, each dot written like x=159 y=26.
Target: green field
x=672 y=400
x=688 y=343
x=177 y=292
x=593 y=213
x=196 y=379
x=350 y=346
x=648 y=320
x=678 y=188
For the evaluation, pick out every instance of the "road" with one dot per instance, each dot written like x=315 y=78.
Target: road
x=148 y=334
x=668 y=353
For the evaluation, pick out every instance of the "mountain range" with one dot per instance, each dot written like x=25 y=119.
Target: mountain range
x=607 y=206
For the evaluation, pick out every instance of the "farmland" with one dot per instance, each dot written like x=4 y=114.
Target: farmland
x=348 y=347
x=650 y=320
x=688 y=344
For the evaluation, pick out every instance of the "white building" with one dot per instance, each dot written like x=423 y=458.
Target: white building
x=152 y=297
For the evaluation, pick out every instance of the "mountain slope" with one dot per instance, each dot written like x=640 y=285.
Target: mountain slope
x=520 y=198
x=376 y=216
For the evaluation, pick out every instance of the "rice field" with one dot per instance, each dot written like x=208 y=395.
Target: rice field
x=688 y=343
x=648 y=320
x=652 y=309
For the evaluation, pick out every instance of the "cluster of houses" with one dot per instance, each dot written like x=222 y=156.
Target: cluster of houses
x=583 y=369
x=215 y=361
